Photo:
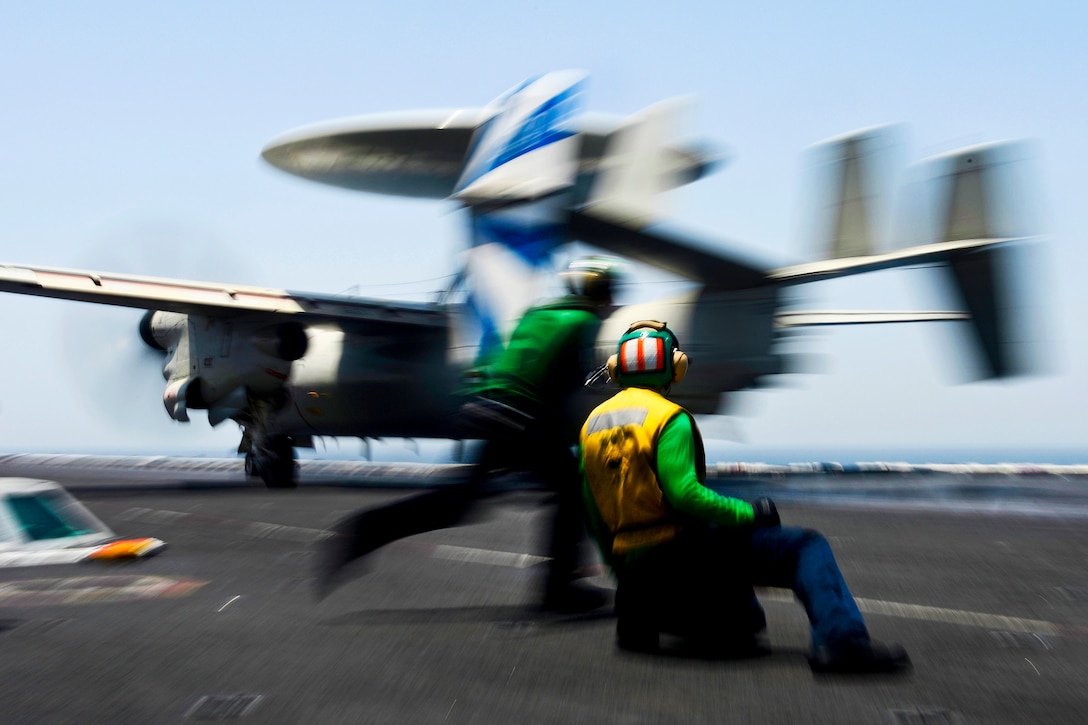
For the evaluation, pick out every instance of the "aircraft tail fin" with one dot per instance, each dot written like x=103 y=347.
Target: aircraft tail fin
x=622 y=213
x=984 y=277
x=853 y=160
x=974 y=224
x=636 y=168
x=521 y=168
x=526 y=149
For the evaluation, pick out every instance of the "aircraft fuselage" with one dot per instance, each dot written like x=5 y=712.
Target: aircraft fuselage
x=352 y=382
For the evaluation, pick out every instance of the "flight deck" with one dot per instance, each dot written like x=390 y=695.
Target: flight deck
x=982 y=580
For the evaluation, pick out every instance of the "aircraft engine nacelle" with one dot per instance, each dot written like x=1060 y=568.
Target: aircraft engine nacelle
x=217 y=363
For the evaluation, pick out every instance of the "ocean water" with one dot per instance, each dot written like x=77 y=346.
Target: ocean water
x=718 y=451
x=429 y=451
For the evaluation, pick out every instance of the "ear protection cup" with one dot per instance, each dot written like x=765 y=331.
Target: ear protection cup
x=612 y=364
x=679 y=365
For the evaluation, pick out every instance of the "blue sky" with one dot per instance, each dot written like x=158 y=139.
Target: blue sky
x=132 y=134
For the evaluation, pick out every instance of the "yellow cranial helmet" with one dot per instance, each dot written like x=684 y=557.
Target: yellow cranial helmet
x=592 y=277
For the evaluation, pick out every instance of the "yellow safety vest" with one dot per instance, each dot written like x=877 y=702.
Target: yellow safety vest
x=619 y=449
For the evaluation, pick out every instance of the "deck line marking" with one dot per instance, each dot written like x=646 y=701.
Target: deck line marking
x=939 y=614
x=233 y=599
x=490 y=557
x=958 y=616
x=510 y=559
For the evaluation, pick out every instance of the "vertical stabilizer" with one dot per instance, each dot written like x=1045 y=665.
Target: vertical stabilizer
x=636 y=166
x=970 y=211
x=853 y=161
x=521 y=167
x=526 y=149
x=974 y=178
x=851 y=236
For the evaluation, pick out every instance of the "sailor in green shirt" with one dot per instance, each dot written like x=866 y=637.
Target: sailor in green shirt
x=526 y=404
x=685 y=557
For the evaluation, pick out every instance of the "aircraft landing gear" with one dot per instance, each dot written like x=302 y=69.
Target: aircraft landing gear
x=279 y=470
x=274 y=462
x=251 y=466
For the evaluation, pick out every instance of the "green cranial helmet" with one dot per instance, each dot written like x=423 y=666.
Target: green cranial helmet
x=594 y=278
x=648 y=355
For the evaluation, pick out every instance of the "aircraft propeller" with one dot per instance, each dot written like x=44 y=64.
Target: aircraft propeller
x=118 y=376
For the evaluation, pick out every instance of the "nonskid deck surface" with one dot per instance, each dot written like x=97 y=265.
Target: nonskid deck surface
x=982 y=581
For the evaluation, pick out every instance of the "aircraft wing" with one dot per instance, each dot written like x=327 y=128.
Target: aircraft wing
x=205 y=298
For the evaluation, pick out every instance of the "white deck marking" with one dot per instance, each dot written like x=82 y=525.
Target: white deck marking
x=958 y=616
x=940 y=614
x=487 y=556
x=249 y=529
x=232 y=600
x=511 y=559
x=93 y=589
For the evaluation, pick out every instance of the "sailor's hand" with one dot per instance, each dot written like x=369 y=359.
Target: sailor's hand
x=766 y=513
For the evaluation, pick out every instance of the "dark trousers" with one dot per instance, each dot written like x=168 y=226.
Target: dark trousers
x=539 y=451
x=729 y=562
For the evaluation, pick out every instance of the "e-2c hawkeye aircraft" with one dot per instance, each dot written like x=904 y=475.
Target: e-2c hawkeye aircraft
x=533 y=173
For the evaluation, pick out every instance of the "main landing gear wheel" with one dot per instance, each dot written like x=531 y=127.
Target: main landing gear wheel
x=275 y=463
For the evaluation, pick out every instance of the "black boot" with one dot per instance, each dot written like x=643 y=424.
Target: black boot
x=351 y=539
x=859 y=656
x=363 y=532
x=573 y=597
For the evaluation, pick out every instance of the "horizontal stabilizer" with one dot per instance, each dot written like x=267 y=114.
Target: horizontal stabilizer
x=816 y=318
x=925 y=254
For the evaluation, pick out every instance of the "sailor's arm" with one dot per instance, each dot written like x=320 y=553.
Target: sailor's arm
x=680 y=483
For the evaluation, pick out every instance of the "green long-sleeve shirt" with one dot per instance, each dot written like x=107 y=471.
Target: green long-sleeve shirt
x=680 y=484
x=541 y=368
